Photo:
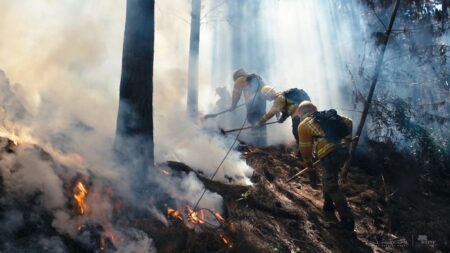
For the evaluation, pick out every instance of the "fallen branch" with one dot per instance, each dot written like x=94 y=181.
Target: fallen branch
x=228 y=191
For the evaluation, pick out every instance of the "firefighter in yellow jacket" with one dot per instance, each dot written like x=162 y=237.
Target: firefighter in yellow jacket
x=281 y=105
x=327 y=135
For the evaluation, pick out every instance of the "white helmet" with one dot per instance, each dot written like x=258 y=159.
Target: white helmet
x=306 y=108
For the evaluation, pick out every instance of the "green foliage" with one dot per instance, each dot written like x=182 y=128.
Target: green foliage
x=410 y=107
x=393 y=120
x=245 y=195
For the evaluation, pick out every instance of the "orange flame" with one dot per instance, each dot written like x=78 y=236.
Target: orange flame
x=176 y=214
x=79 y=196
x=196 y=217
x=219 y=218
x=226 y=240
x=200 y=217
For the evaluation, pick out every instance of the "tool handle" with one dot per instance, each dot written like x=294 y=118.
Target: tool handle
x=313 y=165
x=244 y=128
x=213 y=115
x=303 y=171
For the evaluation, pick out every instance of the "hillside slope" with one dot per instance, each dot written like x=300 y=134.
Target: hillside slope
x=269 y=216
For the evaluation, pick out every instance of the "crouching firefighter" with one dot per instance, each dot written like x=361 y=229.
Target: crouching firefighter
x=284 y=103
x=250 y=85
x=327 y=135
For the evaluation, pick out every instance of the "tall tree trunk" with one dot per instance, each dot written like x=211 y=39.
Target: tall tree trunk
x=134 y=135
x=371 y=90
x=194 y=44
x=444 y=14
x=443 y=49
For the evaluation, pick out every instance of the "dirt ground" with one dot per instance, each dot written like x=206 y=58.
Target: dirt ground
x=275 y=216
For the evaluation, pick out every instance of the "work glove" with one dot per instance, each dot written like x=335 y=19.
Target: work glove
x=282 y=118
x=278 y=115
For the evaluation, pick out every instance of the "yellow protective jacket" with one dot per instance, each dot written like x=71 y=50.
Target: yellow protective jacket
x=311 y=139
x=279 y=104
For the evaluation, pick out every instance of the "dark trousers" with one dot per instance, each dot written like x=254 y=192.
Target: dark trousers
x=295 y=123
x=331 y=164
x=259 y=136
x=255 y=110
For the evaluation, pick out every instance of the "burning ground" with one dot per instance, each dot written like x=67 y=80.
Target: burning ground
x=268 y=216
x=49 y=203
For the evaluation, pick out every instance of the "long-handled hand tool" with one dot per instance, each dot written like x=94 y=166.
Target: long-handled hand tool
x=313 y=165
x=303 y=171
x=213 y=115
x=244 y=128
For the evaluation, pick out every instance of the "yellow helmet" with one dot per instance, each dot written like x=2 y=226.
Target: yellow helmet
x=238 y=73
x=269 y=92
x=306 y=108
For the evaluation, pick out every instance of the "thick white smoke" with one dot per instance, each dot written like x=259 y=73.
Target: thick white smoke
x=59 y=89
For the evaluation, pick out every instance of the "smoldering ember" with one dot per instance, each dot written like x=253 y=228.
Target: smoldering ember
x=209 y=126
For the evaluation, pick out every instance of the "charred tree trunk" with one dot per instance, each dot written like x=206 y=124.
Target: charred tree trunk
x=372 y=89
x=134 y=136
x=194 y=44
x=444 y=14
x=443 y=49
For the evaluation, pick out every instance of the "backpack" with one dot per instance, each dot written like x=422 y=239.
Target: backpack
x=292 y=96
x=332 y=124
x=258 y=104
x=255 y=83
x=295 y=96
